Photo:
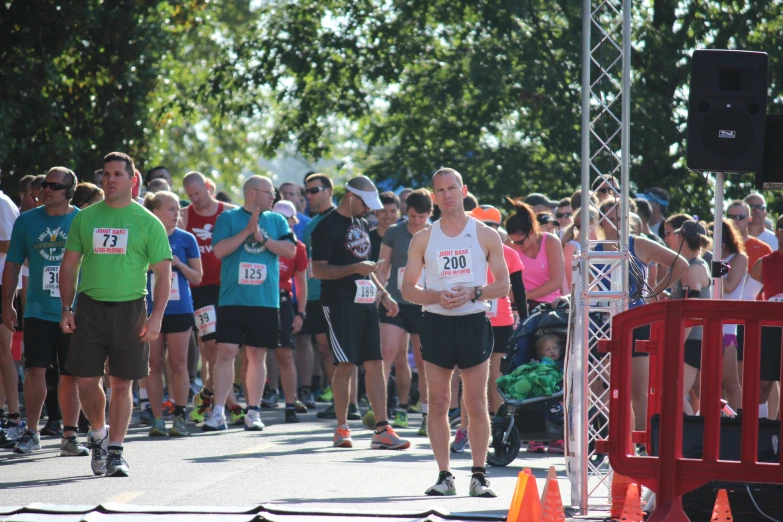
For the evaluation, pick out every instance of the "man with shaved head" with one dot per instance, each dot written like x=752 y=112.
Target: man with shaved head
x=249 y=241
x=349 y=290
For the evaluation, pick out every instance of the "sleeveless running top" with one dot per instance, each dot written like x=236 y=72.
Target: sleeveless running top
x=451 y=262
x=536 y=271
x=772 y=276
x=704 y=293
x=201 y=227
x=735 y=295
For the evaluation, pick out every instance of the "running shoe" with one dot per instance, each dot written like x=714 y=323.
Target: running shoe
x=201 y=412
x=116 y=465
x=535 y=447
x=158 y=428
x=328 y=413
x=178 y=427
x=300 y=407
x=400 y=419
x=239 y=392
x=369 y=420
x=146 y=416
x=353 y=412
x=52 y=429
x=100 y=454
x=414 y=408
x=198 y=400
x=423 y=428
x=479 y=487
x=444 y=486
x=71 y=447
x=215 y=422
x=460 y=442
x=290 y=416
x=237 y=415
x=253 y=421
x=364 y=403
x=307 y=397
x=12 y=433
x=29 y=441
x=342 y=438
x=556 y=446
x=270 y=400
x=135 y=397
x=454 y=417
x=387 y=439
x=168 y=409
x=326 y=396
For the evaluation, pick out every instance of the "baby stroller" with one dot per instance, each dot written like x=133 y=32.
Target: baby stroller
x=536 y=418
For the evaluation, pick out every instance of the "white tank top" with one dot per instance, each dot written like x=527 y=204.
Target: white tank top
x=450 y=262
x=735 y=295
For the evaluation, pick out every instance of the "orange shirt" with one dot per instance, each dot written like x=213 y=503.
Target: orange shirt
x=756 y=249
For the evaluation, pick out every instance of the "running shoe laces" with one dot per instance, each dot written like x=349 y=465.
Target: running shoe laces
x=479 y=486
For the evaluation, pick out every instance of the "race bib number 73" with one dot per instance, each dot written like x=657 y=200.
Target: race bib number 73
x=110 y=240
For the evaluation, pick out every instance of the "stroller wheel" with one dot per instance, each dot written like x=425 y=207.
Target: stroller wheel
x=501 y=454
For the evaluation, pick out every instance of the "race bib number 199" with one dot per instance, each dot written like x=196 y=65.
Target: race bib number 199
x=110 y=240
x=365 y=292
x=455 y=266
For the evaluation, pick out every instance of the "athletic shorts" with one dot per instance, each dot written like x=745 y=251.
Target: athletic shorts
x=286 y=320
x=354 y=332
x=770 y=351
x=501 y=335
x=316 y=321
x=45 y=345
x=409 y=318
x=255 y=326
x=206 y=296
x=109 y=329
x=693 y=353
x=176 y=323
x=463 y=341
x=640 y=334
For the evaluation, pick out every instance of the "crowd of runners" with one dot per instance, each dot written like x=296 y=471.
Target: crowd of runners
x=128 y=295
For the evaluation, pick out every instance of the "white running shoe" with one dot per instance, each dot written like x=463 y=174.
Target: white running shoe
x=253 y=421
x=215 y=422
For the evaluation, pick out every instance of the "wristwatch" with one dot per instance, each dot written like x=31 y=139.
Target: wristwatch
x=265 y=236
x=66 y=309
x=478 y=294
x=303 y=315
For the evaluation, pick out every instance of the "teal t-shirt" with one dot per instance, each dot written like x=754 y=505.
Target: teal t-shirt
x=250 y=275
x=313 y=284
x=118 y=245
x=40 y=239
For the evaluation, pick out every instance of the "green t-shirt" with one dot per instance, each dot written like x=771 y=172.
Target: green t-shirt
x=118 y=245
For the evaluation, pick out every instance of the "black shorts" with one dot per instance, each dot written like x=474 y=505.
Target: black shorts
x=45 y=345
x=640 y=334
x=693 y=353
x=463 y=341
x=409 y=318
x=205 y=296
x=255 y=326
x=316 y=321
x=354 y=332
x=501 y=335
x=770 y=351
x=109 y=329
x=286 y=320
x=177 y=323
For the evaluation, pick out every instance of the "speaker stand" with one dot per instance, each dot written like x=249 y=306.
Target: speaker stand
x=717 y=235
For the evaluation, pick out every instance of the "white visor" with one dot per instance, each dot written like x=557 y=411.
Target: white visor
x=370 y=197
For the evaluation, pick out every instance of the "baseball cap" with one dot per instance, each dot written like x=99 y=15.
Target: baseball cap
x=540 y=199
x=285 y=208
x=370 y=197
x=545 y=218
x=487 y=214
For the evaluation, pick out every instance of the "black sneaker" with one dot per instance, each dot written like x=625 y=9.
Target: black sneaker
x=290 y=416
x=116 y=466
x=52 y=429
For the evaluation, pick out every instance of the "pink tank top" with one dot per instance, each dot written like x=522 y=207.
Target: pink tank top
x=536 y=271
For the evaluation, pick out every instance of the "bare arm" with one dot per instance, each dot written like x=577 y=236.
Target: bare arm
x=192 y=270
x=648 y=251
x=737 y=272
x=227 y=246
x=411 y=291
x=183 y=218
x=384 y=265
x=69 y=271
x=10 y=282
x=755 y=272
x=323 y=270
x=554 y=254
x=568 y=259
x=160 y=294
x=4 y=246
x=281 y=247
x=301 y=290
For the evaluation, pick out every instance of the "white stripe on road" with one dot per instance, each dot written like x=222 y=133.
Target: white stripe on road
x=124 y=498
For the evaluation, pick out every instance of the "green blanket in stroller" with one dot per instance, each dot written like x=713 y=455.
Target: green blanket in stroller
x=534 y=379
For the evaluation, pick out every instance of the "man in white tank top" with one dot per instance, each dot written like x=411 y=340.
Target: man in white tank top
x=454 y=254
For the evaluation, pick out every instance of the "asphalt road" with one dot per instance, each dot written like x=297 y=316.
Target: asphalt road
x=293 y=466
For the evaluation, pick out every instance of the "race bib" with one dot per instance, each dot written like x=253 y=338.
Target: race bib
x=252 y=273
x=173 y=291
x=456 y=266
x=51 y=276
x=365 y=292
x=776 y=298
x=206 y=319
x=110 y=240
x=493 y=308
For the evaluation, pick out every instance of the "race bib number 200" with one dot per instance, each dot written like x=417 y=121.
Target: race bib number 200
x=455 y=266
x=110 y=240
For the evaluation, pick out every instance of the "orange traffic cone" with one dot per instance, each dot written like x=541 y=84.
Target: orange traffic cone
x=722 y=510
x=632 y=508
x=551 y=501
x=524 y=504
x=620 y=485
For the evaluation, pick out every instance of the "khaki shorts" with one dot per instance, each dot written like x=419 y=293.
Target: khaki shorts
x=108 y=329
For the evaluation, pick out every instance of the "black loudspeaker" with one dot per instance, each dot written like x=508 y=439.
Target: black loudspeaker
x=727 y=110
x=771 y=175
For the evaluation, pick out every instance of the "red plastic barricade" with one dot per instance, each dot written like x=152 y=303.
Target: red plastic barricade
x=669 y=474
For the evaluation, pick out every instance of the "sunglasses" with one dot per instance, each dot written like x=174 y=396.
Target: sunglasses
x=315 y=190
x=558 y=215
x=522 y=241
x=737 y=217
x=54 y=186
x=758 y=207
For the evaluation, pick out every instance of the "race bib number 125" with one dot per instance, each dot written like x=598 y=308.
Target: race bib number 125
x=252 y=273
x=110 y=240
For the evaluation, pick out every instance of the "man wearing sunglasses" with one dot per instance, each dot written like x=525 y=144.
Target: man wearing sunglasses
x=39 y=237
x=758 y=213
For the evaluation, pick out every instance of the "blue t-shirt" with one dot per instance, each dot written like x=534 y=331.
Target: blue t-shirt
x=40 y=239
x=300 y=227
x=184 y=246
x=250 y=275
x=313 y=285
